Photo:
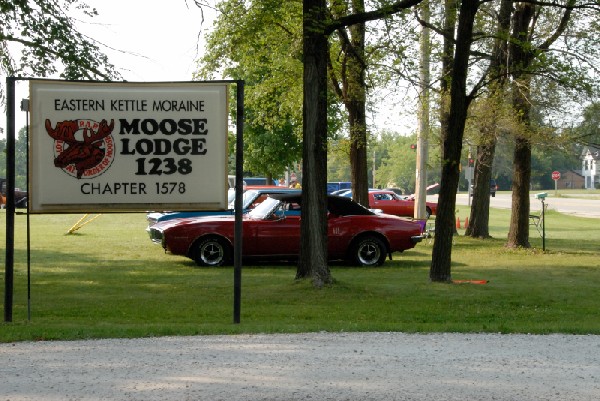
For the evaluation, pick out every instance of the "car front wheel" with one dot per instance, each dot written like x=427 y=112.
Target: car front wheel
x=369 y=251
x=212 y=252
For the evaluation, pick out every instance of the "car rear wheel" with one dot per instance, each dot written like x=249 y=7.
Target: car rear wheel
x=212 y=251
x=427 y=213
x=369 y=251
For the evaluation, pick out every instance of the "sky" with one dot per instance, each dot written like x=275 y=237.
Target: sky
x=157 y=39
x=160 y=40
x=147 y=40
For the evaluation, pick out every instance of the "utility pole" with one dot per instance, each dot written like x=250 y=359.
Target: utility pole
x=374 y=160
x=469 y=175
x=423 y=135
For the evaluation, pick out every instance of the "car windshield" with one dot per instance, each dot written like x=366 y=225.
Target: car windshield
x=264 y=209
x=247 y=199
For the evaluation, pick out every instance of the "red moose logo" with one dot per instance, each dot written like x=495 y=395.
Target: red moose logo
x=85 y=153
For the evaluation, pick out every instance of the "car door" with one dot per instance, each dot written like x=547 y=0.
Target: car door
x=276 y=236
x=340 y=232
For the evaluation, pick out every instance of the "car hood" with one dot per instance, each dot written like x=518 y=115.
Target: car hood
x=163 y=225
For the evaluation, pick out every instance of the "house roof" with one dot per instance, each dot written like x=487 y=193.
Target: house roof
x=592 y=150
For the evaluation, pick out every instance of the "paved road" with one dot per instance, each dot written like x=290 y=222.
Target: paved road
x=306 y=367
x=575 y=206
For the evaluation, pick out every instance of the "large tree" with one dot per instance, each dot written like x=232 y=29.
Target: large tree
x=524 y=58
x=588 y=131
x=452 y=137
x=350 y=86
x=527 y=57
x=489 y=126
x=255 y=47
x=264 y=49
x=313 y=247
x=317 y=26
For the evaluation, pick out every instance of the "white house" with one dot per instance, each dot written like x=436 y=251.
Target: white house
x=590 y=156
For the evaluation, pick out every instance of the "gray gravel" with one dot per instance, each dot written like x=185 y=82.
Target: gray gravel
x=319 y=366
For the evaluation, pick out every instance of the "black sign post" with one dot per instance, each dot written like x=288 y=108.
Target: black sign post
x=239 y=184
x=10 y=199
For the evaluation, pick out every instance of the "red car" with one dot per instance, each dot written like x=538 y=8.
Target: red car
x=272 y=231
x=390 y=202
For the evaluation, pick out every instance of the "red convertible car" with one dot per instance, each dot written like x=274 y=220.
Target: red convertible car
x=391 y=203
x=272 y=231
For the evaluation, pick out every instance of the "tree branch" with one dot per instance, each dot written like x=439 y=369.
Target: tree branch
x=385 y=11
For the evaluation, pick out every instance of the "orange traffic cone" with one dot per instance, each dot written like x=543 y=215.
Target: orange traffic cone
x=458 y=222
x=466 y=222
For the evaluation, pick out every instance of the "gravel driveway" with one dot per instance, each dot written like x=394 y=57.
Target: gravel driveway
x=319 y=366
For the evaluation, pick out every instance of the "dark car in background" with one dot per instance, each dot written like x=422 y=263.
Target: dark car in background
x=20 y=196
x=338 y=186
x=493 y=188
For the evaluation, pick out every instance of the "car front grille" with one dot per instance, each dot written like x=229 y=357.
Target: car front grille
x=155 y=235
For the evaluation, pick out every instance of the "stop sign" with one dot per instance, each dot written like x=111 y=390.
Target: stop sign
x=556 y=175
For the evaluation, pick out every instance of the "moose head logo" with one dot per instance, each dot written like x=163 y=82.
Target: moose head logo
x=82 y=147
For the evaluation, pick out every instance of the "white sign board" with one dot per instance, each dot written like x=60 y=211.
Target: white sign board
x=127 y=146
x=469 y=173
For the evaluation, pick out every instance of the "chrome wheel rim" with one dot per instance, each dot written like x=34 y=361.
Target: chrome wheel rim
x=211 y=253
x=369 y=253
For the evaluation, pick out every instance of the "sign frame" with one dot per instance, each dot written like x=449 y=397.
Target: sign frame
x=166 y=147
x=10 y=201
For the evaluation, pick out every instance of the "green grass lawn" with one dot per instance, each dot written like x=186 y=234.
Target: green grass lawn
x=108 y=280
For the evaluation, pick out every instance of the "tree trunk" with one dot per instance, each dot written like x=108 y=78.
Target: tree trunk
x=450 y=11
x=354 y=97
x=356 y=100
x=312 y=261
x=480 y=209
x=518 y=234
x=452 y=146
x=521 y=56
x=358 y=151
x=522 y=53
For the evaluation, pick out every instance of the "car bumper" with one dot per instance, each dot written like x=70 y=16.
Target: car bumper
x=156 y=236
x=417 y=238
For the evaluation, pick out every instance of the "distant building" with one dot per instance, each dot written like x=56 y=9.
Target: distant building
x=571 y=179
x=590 y=156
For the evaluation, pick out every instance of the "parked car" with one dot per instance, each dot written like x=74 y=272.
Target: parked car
x=342 y=192
x=355 y=234
x=337 y=186
x=20 y=195
x=253 y=195
x=258 y=181
x=398 y=191
x=390 y=202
